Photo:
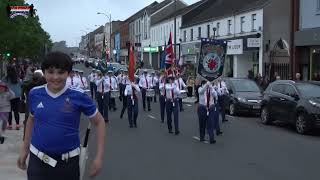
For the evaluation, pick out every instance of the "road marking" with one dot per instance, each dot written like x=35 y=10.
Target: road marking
x=188 y=105
x=152 y=117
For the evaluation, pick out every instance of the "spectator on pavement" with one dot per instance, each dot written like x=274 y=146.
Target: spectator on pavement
x=5 y=95
x=52 y=130
x=14 y=84
x=298 y=77
x=190 y=84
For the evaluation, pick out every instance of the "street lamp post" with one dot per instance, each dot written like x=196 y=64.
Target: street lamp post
x=108 y=16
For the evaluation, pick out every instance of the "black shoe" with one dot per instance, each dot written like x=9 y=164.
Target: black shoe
x=114 y=109
x=121 y=117
x=149 y=109
x=170 y=131
x=225 y=120
x=177 y=133
x=213 y=141
x=201 y=140
x=144 y=109
x=135 y=126
x=219 y=133
x=162 y=121
x=106 y=121
x=131 y=126
x=1 y=140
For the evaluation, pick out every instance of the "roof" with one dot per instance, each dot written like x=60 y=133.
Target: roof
x=214 y=9
x=181 y=9
x=150 y=9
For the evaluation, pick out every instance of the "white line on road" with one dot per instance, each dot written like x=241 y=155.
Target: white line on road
x=188 y=105
x=152 y=117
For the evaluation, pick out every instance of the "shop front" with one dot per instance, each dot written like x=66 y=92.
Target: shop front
x=307 y=54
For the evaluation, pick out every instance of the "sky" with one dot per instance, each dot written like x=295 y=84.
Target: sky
x=70 y=19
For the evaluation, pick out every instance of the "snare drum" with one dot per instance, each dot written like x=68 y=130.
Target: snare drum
x=114 y=94
x=150 y=93
x=183 y=94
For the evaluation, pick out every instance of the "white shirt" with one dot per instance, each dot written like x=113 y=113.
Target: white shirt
x=180 y=83
x=162 y=89
x=145 y=82
x=154 y=80
x=203 y=95
x=222 y=88
x=103 y=85
x=119 y=78
x=83 y=83
x=125 y=80
x=172 y=91
x=93 y=77
x=73 y=82
x=128 y=90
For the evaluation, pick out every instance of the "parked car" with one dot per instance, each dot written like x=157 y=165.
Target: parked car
x=245 y=96
x=297 y=103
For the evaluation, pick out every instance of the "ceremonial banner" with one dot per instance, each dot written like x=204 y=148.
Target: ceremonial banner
x=212 y=57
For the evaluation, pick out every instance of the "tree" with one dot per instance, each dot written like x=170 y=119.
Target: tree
x=22 y=37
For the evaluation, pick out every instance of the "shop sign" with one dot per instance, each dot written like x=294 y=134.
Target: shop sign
x=235 y=47
x=254 y=42
x=151 y=49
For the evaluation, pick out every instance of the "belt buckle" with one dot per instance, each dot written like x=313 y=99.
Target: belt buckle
x=45 y=158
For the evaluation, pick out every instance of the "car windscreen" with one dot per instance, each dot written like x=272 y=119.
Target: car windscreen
x=244 y=85
x=309 y=90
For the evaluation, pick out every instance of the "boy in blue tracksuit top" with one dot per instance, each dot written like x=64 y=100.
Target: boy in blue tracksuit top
x=52 y=129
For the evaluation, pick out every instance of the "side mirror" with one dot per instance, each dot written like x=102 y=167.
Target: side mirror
x=296 y=97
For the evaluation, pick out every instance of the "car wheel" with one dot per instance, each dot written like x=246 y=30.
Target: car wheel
x=232 y=109
x=302 y=124
x=265 y=116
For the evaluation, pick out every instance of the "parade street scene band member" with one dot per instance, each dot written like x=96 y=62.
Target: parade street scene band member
x=145 y=84
x=131 y=93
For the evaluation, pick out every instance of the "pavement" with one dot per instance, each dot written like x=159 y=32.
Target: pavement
x=9 y=152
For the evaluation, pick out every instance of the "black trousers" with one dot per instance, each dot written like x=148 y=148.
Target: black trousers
x=190 y=91
x=64 y=170
x=15 y=109
x=124 y=105
x=144 y=97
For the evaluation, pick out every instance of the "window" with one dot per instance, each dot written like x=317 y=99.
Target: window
x=199 y=32
x=191 y=34
x=290 y=91
x=208 y=31
x=253 y=22
x=229 y=26
x=242 y=21
x=218 y=29
x=278 y=88
x=184 y=36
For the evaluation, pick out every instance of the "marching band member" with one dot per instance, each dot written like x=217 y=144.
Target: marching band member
x=92 y=78
x=84 y=83
x=180 y=83
x=208 y=99
x=162 y=97
x=145 y=84
x=113 y=86
x=103 y=95
x=121 y=85
x=154 y=82
x=223 y=91
x=124 y=82
x=172 y=106
x=131 y=91
x=73 y=80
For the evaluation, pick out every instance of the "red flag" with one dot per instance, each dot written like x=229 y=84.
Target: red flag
x=169 y=52
x=131 y=65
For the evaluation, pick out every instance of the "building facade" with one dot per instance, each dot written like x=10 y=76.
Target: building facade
x=307 y=39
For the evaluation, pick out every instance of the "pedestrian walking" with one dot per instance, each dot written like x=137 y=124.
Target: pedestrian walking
x=113 y=86
x=131 y=93
x=223 y=91
x=162 y=97
x=52 y=132
x=124 y=81
x=154 y=83
x=5 y=107
x=15 y=85
x=121 y=85
x=145 y=84
x=181 y=85
x=73 y=80
x=103 y=95
x=207 y=111
x=93 y=87
x=172 y=104
x=83 y=81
